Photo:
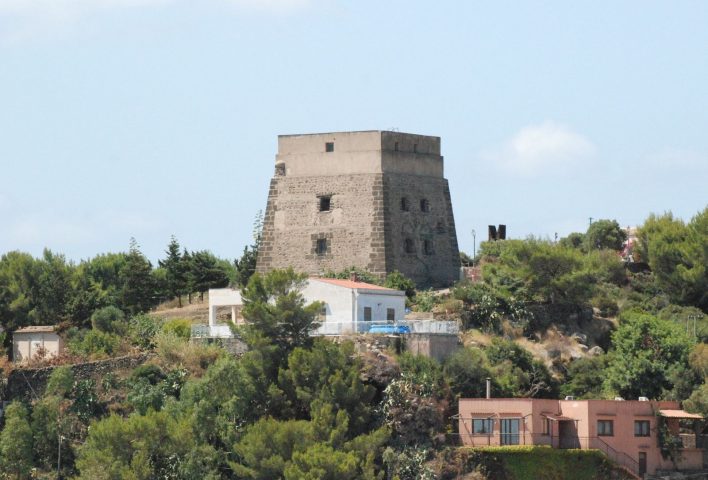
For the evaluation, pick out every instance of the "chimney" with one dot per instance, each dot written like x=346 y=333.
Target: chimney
x=492 y=233
x=489 y=388
x=353 y=276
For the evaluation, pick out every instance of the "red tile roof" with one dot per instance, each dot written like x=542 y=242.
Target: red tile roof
x=353 y=285
x=679 y=414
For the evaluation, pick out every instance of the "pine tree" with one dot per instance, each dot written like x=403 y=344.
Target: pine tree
x=175 y=270
x=138 y=284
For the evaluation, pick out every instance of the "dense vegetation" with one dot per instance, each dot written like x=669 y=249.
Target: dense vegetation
x=295 y=407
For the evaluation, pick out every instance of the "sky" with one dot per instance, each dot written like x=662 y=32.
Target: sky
x=152 y=118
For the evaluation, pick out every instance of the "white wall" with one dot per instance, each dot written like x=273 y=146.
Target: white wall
x=224 y=297
x=338 y=300
x=379 y=304
x=346 y=306
x=26 y=345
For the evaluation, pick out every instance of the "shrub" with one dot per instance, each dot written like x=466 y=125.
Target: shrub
x=450 y=306
x=425 y=301
x=94 y=343
x=142 y=329
x=196 y=358
x=179 y=327
x=398 y=281
x=109 y=320
x=150 y=372
x=60 y=381
x=606 y=306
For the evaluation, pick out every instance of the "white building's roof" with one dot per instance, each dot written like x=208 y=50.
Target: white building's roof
x=359 y=286
x=36 y=329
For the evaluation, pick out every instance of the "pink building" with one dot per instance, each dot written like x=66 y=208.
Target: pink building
x=627 y=431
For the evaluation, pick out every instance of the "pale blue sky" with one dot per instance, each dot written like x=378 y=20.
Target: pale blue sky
x=148 y=118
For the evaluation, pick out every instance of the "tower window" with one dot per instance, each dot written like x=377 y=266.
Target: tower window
x=321 y=246
x=409 y=245
x=405 y=204
x=415 y=148
x=428 y=247
x=395 y=147
x=424 y=205
x=329 y=147
x=325 y=204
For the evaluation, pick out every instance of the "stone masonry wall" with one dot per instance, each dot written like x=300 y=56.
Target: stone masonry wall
x=439 y=267
x=353 y=227
x=26 y=383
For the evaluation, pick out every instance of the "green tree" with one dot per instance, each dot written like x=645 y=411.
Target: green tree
x=326 y=374
x=18 y=279
x=246 y=265
x=465 y=372
x=176 y=269
x=206 y=272
x=154 y=445
x=16 y=442
x=268 y=445
x=138 y=286
x=516 y=373
x=605 y=234
x=573 y=240
x=96 y=284
x=645 y=349
x=276 y=311
x=585 y=377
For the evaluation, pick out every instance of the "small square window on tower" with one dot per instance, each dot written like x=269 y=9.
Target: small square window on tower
x=405 y=204
x=409 y=245
x=428 y=247
x=424 y=205
x=329 y=147
x=321 y=247
x=325 y=203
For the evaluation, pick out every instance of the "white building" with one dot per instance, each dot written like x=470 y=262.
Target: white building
x=36 y=343
x=349 y=306
x=220 y=299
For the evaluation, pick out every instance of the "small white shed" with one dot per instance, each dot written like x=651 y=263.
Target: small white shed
x=35 y=343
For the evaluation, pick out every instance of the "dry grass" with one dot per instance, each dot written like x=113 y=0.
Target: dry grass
x=174 y=351
x=197 y=312
x=476 y=338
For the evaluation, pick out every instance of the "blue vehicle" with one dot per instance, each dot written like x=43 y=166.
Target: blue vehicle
x=390 y=329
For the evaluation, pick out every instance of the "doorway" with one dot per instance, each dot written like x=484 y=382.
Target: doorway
x=509 y=431
x=642 y=463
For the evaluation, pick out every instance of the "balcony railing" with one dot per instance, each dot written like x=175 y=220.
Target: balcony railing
x=211 y=331
x=346 y=328
x=401 y=327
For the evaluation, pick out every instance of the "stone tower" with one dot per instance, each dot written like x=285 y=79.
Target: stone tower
x=376 y=200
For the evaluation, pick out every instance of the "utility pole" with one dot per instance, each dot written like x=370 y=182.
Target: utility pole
x=474 y=246
x=694 y=318
x=59 y=458
x=590 y=220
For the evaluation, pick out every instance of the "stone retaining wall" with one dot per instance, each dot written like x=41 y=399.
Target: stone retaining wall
x=28 y=383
